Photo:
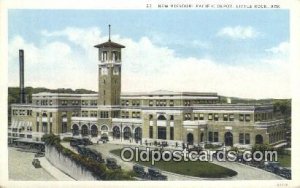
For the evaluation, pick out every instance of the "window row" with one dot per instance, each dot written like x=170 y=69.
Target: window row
x=216 y=117
x=43 y=102
x=114 y=56
x=263 y=116
x=22 y=112
x=125 y=114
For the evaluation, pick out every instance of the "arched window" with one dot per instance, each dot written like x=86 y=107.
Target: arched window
x=258 y=139
x=84 y=130
x=94 y=131
x=116 y=132
x=127 y=133
x=161 y=117
x=75 y=130
x=104 y=128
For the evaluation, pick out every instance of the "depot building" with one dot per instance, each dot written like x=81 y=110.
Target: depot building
x=173 y=117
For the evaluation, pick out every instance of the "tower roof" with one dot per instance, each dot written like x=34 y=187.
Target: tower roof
x=109 y=43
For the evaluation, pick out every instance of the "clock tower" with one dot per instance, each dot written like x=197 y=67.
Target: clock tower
x=109 y=80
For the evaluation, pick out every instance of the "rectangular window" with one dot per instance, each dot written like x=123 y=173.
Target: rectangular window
x=37 y=126
x=241 y=138
x=216 y=117
x=161 y=133
x=247 y=138
x=225 y=117
x=187 y=116
x=247 y=117
x=201 y=117
x=241 y=117
x=171 y=133
x=231 y=117
x=157 y=102
x=187 y=103
x=210 y=136
x=210 y=116
x=103 y=114
x=151 y=103
x=216 y=137
x=171 y=102
x=150 y=132
x=196 y=117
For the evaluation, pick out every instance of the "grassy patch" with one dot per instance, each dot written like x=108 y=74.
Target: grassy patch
x=197 y=168
x=284 y=160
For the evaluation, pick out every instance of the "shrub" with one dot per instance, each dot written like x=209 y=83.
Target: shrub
x=98 y=170
x=67 y=139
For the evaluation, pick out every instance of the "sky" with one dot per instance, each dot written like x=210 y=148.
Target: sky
x=241 y=53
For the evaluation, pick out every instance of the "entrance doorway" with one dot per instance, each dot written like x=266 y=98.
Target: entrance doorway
x=258 y=139
x=138 y=134
x=190 y=139
x=228 y=139
x=127 y=133
x=116 y=132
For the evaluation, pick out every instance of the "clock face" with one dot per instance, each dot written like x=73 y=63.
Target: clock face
x=104 y=71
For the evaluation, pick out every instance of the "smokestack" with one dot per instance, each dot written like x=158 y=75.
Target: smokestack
x=22 y=90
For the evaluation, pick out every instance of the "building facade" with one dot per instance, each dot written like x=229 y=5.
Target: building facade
x=174 y=117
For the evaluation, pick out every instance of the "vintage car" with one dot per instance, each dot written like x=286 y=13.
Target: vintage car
x=271 y=167
x=75 y=142
x=36 y=163
x=140 y=171
x=86 y=141
x=39 y=154
x=111 y=163
x=155 y=174
x=94 y=154
x=285 y=172
x=104 y=139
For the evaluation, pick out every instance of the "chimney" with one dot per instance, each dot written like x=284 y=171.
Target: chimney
x=22 y=90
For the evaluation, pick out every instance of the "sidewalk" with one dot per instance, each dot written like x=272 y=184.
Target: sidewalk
x=56 y=173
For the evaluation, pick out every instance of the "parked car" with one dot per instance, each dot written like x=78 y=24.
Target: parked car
x=39 y=154
x=155 y=174
x=104 y=139
x=75 y=142
x=111 y=163
x=94 y=154
x=140 y=171
x=36 y=163
x=271 y=167
x=86 y=141
x=286 y=173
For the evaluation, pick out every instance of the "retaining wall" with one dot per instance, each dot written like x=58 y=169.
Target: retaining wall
x=67 y=165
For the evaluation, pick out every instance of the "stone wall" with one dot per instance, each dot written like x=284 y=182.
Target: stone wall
x=67 y=166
